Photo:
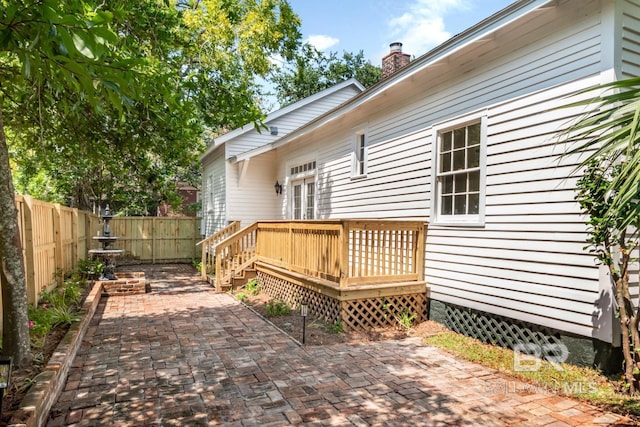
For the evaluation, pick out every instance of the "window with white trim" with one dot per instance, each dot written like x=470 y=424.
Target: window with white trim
x=459 y=176
x=359 y=168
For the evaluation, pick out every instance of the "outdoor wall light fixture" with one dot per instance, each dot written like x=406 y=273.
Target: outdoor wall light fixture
x=278 y=187
x=5 y=377
x=304 y=311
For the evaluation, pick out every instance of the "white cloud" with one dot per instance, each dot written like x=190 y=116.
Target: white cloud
x=322 y=42
x=422 y=26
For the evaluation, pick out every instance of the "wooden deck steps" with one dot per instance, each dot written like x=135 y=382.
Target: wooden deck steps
x=237 y=280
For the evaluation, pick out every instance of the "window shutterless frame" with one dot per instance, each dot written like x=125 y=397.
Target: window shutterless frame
x=459 y=172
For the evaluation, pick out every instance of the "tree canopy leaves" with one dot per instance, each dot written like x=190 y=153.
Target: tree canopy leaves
x=112 y=107
x=311 y=71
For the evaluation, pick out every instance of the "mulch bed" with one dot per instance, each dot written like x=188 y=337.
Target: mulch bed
x=319 y=332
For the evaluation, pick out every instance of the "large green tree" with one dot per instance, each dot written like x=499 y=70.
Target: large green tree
x=202 y=60
x=99 y=98
x=312 y=71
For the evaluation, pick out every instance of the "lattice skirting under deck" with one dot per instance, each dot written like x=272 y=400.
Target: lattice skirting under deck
x=497 y=330
x=360 y=313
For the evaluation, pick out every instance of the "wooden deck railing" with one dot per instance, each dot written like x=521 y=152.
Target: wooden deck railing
x=345 y=252
x=208 y=245
x=235 y=253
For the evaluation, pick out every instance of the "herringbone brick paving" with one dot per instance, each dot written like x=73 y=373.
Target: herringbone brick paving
x=183 y=355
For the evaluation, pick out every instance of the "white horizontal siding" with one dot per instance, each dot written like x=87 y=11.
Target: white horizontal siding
x=289 y=122
x=213 y=193
x=529 y=257
x=253 y=197
x=630 y=39
x=527 y=262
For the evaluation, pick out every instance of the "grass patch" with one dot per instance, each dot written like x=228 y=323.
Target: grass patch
x=585 y=384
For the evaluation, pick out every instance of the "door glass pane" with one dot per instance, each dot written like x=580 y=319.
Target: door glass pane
x=310 y=200
x=297 y=201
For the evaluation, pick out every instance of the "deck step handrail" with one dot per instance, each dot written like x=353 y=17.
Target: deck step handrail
x=235 y=253
x=208 y=245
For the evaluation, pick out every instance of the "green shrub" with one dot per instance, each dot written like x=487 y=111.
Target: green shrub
x=253 y=287
x=337 y=328
x=277 y=308
x=89 y=268
x=63 y=316
x=241 y=296
x=405 y=319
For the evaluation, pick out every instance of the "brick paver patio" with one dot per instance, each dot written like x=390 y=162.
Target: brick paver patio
x=183 y=355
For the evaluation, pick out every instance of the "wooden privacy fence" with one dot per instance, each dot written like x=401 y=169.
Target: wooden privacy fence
x=157 y=239
x=345 y=252
x=54 y=239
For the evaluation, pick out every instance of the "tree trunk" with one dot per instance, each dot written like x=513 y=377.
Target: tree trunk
x=15 y=319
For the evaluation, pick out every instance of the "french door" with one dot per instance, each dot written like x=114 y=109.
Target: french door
x=303 y=198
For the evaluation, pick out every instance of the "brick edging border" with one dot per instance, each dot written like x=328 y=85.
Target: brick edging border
x=36 y=404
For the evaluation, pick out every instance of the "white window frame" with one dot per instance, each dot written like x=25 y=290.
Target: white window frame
x=360 y=155
x=470 y=220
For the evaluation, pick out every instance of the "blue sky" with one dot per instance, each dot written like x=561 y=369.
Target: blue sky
x=371 y=25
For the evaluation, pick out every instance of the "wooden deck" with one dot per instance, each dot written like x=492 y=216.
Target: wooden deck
x=362 y=273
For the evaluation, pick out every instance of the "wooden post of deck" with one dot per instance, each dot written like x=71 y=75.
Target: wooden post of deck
x=344 y=252
x=419 y=251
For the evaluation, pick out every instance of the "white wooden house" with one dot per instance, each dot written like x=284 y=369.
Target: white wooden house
x=243 y=190
x=465 y=138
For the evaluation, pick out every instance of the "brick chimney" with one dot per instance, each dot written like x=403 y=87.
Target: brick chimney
x=395 y=60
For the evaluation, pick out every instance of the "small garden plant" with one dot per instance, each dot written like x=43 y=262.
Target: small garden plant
x=405 y=319
x=57 y=308
x=337 y=328
x=277 y=308
x=253 y=287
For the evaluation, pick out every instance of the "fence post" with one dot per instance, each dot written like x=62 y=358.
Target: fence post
x=57 y=237
x=88 y=233
x=76 y=239
x=29 y=258
x=153 y=240
x=194 y=227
